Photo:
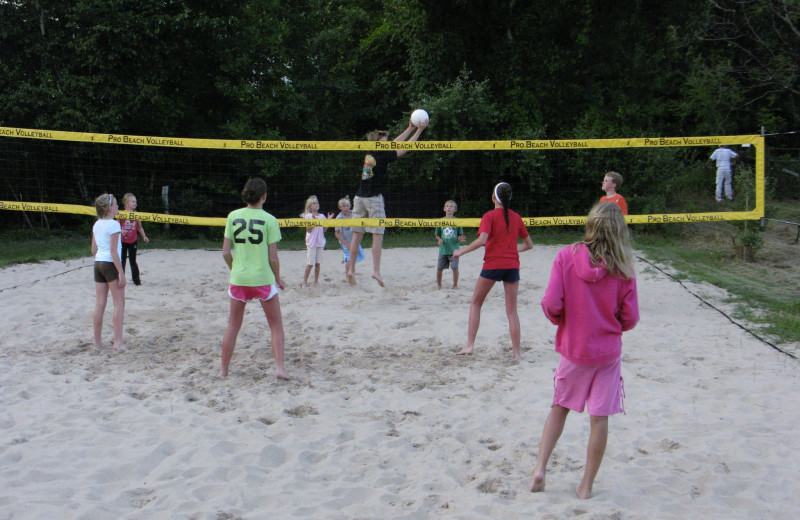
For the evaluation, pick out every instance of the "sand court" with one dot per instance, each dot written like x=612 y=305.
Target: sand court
x=381 y=418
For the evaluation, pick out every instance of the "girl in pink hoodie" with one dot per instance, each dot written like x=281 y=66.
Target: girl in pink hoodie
x=592 y=299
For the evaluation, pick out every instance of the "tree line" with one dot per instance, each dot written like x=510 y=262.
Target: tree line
x=332 y=70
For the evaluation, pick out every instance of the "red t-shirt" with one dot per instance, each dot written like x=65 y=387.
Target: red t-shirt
x=617 y=199
x=501 y=247
x=130 y=231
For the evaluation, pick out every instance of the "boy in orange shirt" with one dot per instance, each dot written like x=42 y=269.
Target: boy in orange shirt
x=611 y=183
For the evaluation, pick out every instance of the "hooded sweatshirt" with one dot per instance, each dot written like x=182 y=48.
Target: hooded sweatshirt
x=591 y=307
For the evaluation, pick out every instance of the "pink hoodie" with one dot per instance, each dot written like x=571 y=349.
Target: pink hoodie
x=591 y=307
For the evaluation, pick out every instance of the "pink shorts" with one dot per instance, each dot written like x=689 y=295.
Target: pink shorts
x=245 y=294
x=597 y=387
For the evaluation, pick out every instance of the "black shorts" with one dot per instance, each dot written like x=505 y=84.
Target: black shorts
x=501 y=275
x=105 y=272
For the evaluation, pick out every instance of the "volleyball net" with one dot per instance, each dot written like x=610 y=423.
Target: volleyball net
x=196 y=182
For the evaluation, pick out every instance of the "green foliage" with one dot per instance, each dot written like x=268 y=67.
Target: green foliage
x=331 y=70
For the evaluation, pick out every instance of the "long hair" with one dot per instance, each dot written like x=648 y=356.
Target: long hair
x=309 y=201
x=102 y=204
x=253 y=190
x=608 y=240
x=503 y=194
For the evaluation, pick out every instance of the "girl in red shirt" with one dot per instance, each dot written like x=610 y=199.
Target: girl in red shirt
x=499 y=232
x=131 y=229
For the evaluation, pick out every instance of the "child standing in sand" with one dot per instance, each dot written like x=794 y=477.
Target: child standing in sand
x=592 y=298
x=499 y=231
x=345 y=235
x=250 y=248
x=131 y=229
x=108 y=273
x=448 y=238
x=315 y=240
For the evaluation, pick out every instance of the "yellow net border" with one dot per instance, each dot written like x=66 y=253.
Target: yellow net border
x=756 y=141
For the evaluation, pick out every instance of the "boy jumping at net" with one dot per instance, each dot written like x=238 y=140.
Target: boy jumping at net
x=448 y=238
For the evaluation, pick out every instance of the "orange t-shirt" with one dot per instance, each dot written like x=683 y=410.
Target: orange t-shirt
x=617 y=199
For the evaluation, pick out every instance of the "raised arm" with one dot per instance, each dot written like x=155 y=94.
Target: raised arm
x=407 y=132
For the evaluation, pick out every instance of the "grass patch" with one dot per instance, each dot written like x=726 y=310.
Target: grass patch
x=764 y=290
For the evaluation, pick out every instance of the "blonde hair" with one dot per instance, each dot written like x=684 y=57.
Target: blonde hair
x=343 y=200
x=608 y=240
x=455 y=206
x=127 y=197
x=102 y=204
x=309 y=201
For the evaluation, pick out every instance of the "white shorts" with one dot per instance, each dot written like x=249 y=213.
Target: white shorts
x=314 y=255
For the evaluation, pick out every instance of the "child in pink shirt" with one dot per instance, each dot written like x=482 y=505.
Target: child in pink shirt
x=592 y=299
x=315 y=240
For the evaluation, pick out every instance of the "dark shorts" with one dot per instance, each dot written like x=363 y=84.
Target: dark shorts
x=105 y=272
x=446 y=261
x=501 y=275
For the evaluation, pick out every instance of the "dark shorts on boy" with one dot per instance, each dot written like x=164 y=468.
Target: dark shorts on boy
x=105 y=272
x=446 y=261
x=501 y=275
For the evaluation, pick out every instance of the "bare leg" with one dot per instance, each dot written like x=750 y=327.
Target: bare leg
x=118 y=295
x=272 y=310
x=316 y=274
x=439 y=278
x=553 y=427
x=511 y=290
x=101 y=298
x=377 y=249
x=305 y=276
x=482 y=288
x=455 y=278
x=594 y=455
x=350 y=267
x=231 y=333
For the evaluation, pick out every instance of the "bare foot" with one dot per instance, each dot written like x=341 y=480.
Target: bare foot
x=538 y=483
x=466 y=351
x=439 y=287
x=378 y=279
x=455 y=286
x=223 y=373
x=281 y=374
x=99 y=345
x=303 y=285
x=583 y=493
x=351 y=278
x=120 y=348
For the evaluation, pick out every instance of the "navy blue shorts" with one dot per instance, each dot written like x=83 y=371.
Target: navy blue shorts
x=501 y=275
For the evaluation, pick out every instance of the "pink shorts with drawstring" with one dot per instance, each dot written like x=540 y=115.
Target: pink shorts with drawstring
x=599 y=388
x=245 y=294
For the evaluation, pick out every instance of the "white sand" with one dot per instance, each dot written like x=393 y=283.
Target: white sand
x=381 y=420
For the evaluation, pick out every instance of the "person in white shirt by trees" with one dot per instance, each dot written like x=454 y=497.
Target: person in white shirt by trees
x=724 y=157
